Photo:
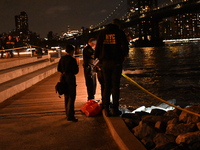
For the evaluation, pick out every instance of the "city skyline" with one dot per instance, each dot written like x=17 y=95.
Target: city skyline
x=56 y=16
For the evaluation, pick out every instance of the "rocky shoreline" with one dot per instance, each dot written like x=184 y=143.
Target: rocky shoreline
x=160 y=129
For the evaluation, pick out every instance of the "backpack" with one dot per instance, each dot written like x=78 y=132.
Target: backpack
x=61 y=88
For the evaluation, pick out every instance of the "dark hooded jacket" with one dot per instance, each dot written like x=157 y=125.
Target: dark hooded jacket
x=112 y=44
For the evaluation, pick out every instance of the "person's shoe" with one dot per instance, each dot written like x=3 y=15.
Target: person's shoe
x=73 y=119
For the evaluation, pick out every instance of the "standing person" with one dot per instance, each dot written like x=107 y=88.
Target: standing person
x=1 y=46
x=18 y=43
x=10 y=43
x=89 y=72
x=68 y=67
x=77 y=54
x=111 y=50
x=100 y=77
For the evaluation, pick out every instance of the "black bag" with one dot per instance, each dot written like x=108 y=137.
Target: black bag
x=61 y=88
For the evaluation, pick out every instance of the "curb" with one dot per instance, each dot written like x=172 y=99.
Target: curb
x=121 y=134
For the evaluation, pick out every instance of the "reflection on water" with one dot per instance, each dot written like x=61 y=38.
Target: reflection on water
x=168 y=72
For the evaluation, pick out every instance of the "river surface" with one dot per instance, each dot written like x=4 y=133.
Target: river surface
x=170 y=72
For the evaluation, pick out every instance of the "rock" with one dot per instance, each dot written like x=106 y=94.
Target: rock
x=186 y=117
x=173 y=121
x=174 y=113
x=161 y=126
x=148 y=142
x=190 y=137
x=176 y=129
x=132 y=120
x=157 y=112
x=169 y=146
x=171 y=130
x=198 y=125
x=195 y=146
x=181 y=147
x=163 y=139
x=131 y=116
x=144 y=130
x=131 y=123
x=151 y=120
x=142 y=114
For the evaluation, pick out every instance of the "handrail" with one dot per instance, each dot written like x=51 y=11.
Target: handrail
x=13 y=48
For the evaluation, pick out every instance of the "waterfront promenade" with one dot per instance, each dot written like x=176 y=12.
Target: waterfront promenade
x=35 y=120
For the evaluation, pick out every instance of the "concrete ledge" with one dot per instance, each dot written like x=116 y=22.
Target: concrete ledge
x=23 y=82
x=20 y=71
x=121 y=134
x=20 y=61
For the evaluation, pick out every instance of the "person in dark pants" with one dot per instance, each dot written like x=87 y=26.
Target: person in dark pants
x=69 y=68
x=100 y=78
x=89 y=72
x=111 y=50
x=77 y=54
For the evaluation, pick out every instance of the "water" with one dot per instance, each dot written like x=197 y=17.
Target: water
x=170 y=72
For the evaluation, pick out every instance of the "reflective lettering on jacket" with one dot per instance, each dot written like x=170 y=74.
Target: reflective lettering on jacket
x=110 y=39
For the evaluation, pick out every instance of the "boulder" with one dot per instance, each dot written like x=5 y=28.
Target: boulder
x=151 y=119
x=198 y=125
x=173 y=121
x=131 y=123
x=132 y=120
x=194 y=146
x=144 y=130
x=163 y=139
x=176 y=129
x=175 y=113
x=157 y=112
x=169 y=146
x=190 y=137
x=186 y=117
x=148 y=142
x=161 y=126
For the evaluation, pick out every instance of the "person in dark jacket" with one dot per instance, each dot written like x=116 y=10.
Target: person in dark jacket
x=111 y=50
x=88 y=65
x=69 y=68
x=18 y=43
x=10 y=43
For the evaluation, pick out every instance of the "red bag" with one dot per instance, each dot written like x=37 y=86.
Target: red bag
x=91 y=108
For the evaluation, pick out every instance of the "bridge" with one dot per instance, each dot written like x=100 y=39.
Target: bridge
x=147 y=22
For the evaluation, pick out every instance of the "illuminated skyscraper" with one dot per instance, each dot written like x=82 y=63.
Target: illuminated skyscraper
x=146 y=29
x=21 y=22
x=186 y=25
x=141 y=6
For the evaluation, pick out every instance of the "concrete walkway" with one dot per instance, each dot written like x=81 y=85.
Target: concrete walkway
x=35 y=120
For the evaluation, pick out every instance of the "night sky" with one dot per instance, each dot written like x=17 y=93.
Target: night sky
x=56 y=15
